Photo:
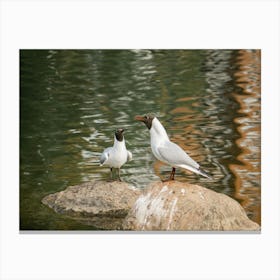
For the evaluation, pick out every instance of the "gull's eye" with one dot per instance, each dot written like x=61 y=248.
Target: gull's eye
x=145 y=117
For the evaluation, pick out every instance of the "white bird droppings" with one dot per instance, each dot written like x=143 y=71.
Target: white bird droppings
x=155 y=207
x=201 y=195
x=147 y=206
x=164 y=189
x=173 y=209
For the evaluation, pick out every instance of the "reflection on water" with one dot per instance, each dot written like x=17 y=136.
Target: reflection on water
x=248 y=176
x=72 y=101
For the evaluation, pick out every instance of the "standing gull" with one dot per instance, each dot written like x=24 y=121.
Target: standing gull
x=167 y=151
x=116 y=156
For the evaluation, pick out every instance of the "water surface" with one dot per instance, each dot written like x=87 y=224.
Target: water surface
x=71 y=101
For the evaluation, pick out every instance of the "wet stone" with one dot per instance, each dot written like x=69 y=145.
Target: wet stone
x=101 y=204
x=177 y=206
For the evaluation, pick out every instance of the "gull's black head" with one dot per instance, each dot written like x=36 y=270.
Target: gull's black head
x=119 y=134
x=146 y=119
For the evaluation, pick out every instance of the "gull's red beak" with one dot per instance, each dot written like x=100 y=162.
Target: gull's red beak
x=139 y=118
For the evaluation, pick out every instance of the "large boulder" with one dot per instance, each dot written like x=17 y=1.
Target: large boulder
x=101 y=204
x=179 y=206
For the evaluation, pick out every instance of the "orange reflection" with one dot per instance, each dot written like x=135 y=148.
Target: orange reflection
x=248 y=173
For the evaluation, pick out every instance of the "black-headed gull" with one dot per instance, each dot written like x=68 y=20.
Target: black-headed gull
x=167 y=151
x=116 y=156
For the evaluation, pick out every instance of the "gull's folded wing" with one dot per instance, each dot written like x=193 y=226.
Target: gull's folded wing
x=174 y=155
x=105 y=155
x=129 y=156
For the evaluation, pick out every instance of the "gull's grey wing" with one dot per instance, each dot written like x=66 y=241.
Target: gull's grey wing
x=175 y=155
x=105 y=155
x=129 y=156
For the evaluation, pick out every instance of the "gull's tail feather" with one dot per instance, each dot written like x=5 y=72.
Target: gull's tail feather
x=196 y=170
x=204 y=173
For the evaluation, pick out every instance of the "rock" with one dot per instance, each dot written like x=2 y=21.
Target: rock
x=180 y=206
x=101 y=204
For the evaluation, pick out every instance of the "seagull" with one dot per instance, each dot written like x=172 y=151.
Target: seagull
x=116 y=156
x=167 y=151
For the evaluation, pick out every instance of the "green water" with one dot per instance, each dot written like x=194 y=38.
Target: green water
x=71 y=101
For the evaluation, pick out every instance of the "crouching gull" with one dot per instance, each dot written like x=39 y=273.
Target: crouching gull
x=167 y=151
x=116 y=156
